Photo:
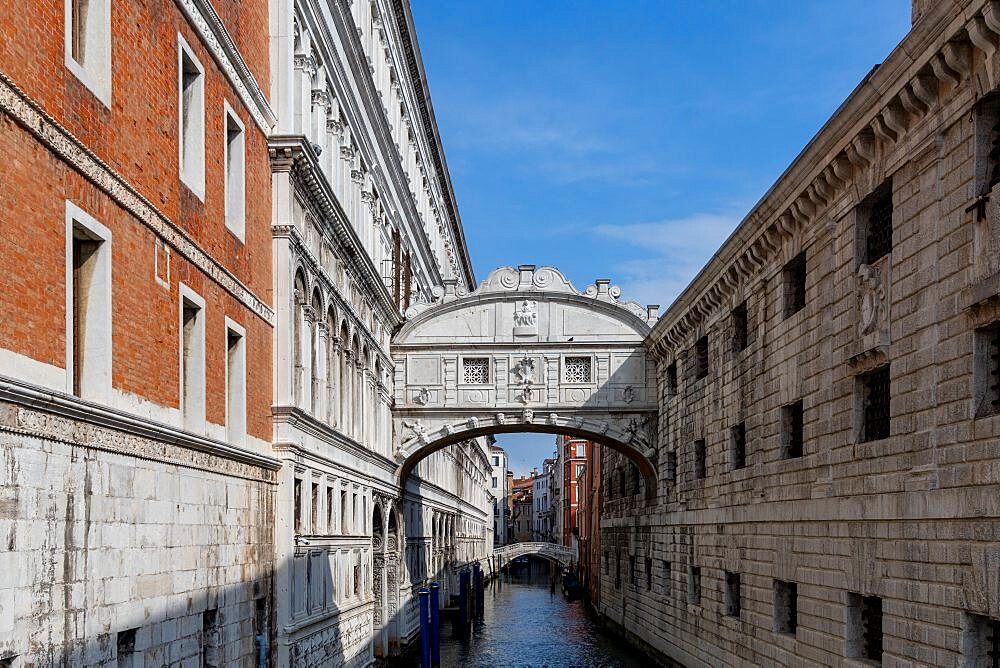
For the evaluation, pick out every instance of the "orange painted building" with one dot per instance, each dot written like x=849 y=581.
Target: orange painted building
x=573 y=454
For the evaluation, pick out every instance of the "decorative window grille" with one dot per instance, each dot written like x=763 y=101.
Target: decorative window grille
x=732 y=594
x=738 y=446
x=794 y=275
x=476 y=370
x=878 y=227
x=875 y=395
x=740 y=328
x=578 y=370
x=786 y=616
x=792 y=426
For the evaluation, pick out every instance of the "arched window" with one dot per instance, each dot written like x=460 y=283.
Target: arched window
x=332 y=369
x=345 y=380
x=316 y=349
x=298 y=323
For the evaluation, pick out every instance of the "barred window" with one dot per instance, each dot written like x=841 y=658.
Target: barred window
x=878 y=223
x=786 y=614
x=738 y=446
x=476 y=370
x=794 y=275
x=864 y=621
x=699 y=459
x=701 y=358
x=578 y=370
x=740 y=328
x=732 y=594
x=694 y=585
x=672 y=379
x=875 y=398
x=792 y=418
x=981 y=641
x=987 y=370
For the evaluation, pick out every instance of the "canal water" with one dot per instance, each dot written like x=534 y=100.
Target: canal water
x=527 y=626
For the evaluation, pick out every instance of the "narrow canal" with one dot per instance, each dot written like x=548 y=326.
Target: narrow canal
x=525 y=625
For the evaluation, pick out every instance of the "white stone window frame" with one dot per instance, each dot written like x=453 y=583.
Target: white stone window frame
x=191 y=174
x=489 y=370
x=192 y=416
x=235 y=207
x=95 y=72
x=236 y=426
x=565 y=369
x=97 y=385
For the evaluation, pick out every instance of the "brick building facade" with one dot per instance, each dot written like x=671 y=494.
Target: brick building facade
x=138 y=480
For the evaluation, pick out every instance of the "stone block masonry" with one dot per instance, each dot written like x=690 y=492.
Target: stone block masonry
x=856 y=521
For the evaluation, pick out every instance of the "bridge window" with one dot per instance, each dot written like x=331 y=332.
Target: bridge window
x=476 y=370
x=578 y=370
x=864 y=627
x=786 y=616
x=980 y=641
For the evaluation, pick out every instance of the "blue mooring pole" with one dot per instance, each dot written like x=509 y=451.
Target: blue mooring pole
x=425 y=631
x=435 y=624
x=480 y=597
x=463 y=600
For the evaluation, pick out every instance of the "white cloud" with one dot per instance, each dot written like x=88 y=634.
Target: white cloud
x=677 y=250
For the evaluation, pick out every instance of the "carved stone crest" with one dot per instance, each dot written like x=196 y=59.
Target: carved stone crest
x=628 y=394
x=422 y=397
x=871 y=299
x=524 y=371
x=526 y=318
x=524 y=396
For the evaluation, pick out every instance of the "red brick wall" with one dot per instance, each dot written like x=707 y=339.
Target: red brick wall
x=137 y=137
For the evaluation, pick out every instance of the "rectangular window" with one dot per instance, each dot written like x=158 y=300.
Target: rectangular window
x=88 y=45
x=738 y=446
x=314 y=508
x=261 y=625
x=649 y=574
x=694 y=585
x=191 y=118
x=786 y=615
x=330 y=510
x=667 y=576
x=494 y=482
x=235 y=176
x=980 y=641
x=192 y=373
x=672 y=379
x=987 y=144
x=672 y=466
x=476 y=370
x=987 y=370
x=631 y=570
x=125 y=644
x=794 y=277
x=873 y=388
x=297 y=504
x=875 y=224
x=577 y=370
x=88 y=307
x=740 y=328
x=618 y=570
x=792 y=430
x=701 y=358
x=344 y=524
x=211 y=639
x=236 y=383
x=700 y=464
x=864 y=627
x=732 y=594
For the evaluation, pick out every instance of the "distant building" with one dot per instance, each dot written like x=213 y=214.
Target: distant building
x=542 y=486
x=500 y=489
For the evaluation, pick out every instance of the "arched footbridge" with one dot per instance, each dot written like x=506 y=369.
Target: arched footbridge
x=526 y=351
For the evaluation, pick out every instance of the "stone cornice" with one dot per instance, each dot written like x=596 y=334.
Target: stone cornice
x=29 y=114
x=298 y=419
x=201 y=14
x=925 y=74
x=294 y=154
x=418 y=78
x=61 y=417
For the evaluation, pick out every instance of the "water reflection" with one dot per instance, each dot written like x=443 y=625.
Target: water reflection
x=525 y=625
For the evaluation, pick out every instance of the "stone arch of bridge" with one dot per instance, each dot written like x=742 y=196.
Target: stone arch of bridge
x=525 y=352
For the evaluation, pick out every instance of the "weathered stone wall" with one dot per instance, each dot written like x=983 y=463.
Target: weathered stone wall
x=103 y=532
x=911 y=519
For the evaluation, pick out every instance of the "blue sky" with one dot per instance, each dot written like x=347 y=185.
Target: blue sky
x=625 y=140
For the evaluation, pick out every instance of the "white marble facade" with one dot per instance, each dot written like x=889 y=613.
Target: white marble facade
x=364 y=224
